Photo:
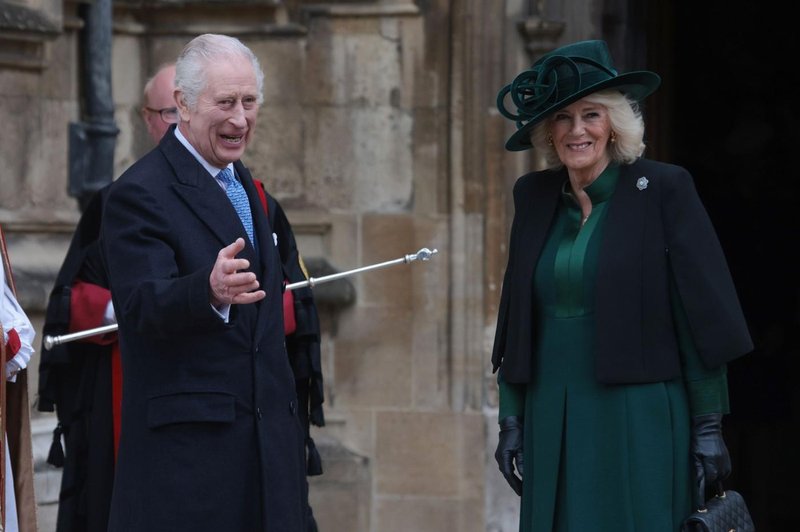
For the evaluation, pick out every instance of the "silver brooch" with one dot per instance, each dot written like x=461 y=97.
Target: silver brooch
x=641 y=183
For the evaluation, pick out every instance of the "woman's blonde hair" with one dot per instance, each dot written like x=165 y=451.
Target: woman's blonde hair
x=626 y=123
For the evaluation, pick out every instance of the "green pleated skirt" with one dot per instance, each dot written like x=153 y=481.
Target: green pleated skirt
x=600 y=458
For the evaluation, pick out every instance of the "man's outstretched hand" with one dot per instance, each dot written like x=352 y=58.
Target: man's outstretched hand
x=228 y=285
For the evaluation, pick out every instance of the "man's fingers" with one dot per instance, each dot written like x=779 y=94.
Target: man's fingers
x=249 y=297
x=245 y=280
x=230 y=285
x=231 y=288
x=230 y=251
x=230 y=266
x=227 y=261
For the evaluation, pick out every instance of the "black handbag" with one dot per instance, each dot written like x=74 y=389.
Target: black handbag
x=726 y=512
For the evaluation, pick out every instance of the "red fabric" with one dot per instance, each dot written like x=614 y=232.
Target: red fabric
x=13 y=344
x=262 y=195
x=88 y=304
x=116 y=394
x=289 y=322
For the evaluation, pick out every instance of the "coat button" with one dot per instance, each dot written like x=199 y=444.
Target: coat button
x=293 y=408
x=258 y=412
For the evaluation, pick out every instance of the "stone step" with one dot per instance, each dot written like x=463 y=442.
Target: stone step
x=47 y=478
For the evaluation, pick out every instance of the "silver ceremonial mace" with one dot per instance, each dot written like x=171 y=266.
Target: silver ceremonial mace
x=423 y=254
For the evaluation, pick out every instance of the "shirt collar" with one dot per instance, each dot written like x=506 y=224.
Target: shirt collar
x=211 y=169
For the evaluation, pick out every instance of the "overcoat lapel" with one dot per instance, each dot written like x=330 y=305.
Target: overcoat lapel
x=203 y=196
x=206 y=199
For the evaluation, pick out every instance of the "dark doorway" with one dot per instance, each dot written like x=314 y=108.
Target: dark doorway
x=734 y=123
x=727 y=111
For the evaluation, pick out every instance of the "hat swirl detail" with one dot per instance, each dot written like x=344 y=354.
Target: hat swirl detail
x=538 y=88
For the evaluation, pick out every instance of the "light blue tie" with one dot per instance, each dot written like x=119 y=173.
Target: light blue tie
x=238 y=198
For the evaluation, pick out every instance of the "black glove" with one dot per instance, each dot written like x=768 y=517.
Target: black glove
x=509 y=449
x=710 y=458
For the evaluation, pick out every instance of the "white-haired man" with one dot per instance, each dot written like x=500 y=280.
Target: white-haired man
x=211 y=439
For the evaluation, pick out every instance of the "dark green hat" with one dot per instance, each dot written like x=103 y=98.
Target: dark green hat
x=562 y=77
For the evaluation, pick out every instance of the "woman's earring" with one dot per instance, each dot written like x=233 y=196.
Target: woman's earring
x=613 y=136
x=550 y=139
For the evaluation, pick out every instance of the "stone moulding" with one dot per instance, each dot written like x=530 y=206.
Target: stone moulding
x=188 y=18
x=23 y=34
x=361 y=10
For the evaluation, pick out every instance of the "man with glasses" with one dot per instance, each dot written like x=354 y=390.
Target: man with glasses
x=159 y=110
x=82 y=381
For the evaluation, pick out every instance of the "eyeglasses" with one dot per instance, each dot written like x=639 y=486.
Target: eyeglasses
x=168 y=114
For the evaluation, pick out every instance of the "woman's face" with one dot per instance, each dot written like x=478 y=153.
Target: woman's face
x=581 y=132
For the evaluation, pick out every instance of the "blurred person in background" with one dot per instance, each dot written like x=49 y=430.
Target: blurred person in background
x=82 y=380
x=159 y=110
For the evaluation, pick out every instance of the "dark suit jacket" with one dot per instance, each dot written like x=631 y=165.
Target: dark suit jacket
x=649 y=235
x=210 y=435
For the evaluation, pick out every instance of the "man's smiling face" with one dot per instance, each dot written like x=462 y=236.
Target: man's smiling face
x=223 y=120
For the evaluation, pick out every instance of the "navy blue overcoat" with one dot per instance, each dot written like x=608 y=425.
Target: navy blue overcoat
x=210 y=437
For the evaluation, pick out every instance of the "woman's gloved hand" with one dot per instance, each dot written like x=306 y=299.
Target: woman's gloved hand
x=509 y=450
x=710 y=458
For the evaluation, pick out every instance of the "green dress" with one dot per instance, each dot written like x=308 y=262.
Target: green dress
x=600 y=458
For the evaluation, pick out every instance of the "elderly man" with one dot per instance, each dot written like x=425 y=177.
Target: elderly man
x=211 y=438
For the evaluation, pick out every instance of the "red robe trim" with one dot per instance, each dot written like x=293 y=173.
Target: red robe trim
x=88 y=304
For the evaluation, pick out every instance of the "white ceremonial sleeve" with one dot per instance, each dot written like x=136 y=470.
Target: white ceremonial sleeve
x=13 y=317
